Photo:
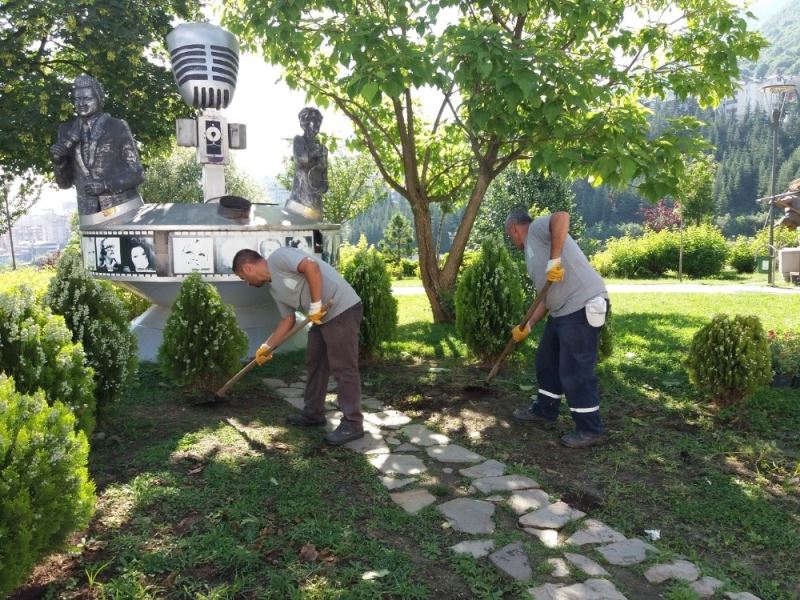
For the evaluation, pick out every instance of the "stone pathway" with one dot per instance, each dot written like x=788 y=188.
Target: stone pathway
x=402 y=451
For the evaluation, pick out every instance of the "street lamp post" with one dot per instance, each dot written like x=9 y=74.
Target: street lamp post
x=777 y=95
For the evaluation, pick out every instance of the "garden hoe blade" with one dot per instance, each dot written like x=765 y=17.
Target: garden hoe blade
x=511 y=343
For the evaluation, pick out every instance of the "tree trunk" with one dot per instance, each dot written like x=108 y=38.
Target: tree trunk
x=436 y=280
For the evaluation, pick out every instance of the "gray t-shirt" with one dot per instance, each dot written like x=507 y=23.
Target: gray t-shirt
x=290 y=288
x=581 y=282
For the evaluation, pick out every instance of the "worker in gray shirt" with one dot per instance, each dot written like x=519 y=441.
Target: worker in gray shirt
x=300 y=281
x=577 y=302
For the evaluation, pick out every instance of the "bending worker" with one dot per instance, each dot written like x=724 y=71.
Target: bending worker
x=577 y=302
x=300 y=281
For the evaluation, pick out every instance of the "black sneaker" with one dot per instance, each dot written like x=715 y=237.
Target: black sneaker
x=583 y=439
x=302 y=420
x=345 y=432
x=526 y=417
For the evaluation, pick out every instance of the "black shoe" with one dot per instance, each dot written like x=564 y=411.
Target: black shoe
x=583 y=439
x=302 y=420
x=345 y=432
x=526 y=417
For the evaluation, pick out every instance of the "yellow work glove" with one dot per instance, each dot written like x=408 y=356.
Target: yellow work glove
x=263 y=354
x=520 y=333
x=554 y=271
x=316 y=312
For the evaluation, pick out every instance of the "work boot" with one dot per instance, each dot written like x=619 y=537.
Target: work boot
x=583 y=439
x=347 y=431
x=525 y=416
x=302 y=420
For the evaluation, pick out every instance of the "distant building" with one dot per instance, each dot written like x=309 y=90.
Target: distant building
x=750 y=95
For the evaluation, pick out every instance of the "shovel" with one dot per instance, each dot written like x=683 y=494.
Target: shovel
x=220 y=393
x=511 y=343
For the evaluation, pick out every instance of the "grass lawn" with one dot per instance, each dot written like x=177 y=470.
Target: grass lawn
x=227 y=502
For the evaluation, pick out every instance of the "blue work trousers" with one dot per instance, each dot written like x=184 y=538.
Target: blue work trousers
x=565 y=364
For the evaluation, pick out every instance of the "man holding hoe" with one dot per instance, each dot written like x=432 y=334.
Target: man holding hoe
x=299 y=281
x=577 y=301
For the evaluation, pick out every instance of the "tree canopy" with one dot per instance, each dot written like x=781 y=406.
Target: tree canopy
x=556 y=83
x=44 y=44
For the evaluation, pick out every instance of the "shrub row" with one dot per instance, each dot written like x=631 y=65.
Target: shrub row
x=653 y=254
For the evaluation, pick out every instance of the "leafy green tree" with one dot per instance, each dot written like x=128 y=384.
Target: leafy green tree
x=398 y=239
x=44 y=44
x=556 y=83
x=17 y=195
x=695 y=192
x=532 y=191
x=178 y=178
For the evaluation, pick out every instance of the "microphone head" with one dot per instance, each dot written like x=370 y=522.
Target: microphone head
x=205 y=64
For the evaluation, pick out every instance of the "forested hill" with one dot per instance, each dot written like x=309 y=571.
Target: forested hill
x=782 y=30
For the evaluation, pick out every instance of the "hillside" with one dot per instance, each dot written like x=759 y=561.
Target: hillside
x=782 y=30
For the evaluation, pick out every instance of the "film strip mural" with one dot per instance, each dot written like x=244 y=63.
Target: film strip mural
x=139 y=253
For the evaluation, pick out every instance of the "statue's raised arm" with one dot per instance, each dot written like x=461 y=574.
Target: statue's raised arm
x=96 y=153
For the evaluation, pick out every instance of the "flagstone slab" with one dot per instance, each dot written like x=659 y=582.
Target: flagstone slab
x=297 y=402
x=586 y=564
x=741 y=596
x=300 y=385
x=552 y=516
x=290 y=392
x=548 y=537
x=371 y=403
x=502 y=483
x=401 y=464
x=393 y=483
x=678 y=569
x=527 y=500
x=413 y=501
x=627 y=552
x=490 y=468
x=406 y=447
x=388 y=419
x=371 y=443
x=559 y=567
x=468 y=515
x=273 y=382
x=591 y=589
x=453 y=454
x=705 y=587
x=513 y=561
x=422 y=436
x=496 y=498
x=477 y=548
x=595 y=532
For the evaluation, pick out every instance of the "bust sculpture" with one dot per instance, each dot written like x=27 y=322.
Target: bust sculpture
x=310 y=167
x=96 y=153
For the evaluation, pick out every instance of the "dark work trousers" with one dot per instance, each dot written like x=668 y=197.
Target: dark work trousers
x=333 y=350
x=565 y=364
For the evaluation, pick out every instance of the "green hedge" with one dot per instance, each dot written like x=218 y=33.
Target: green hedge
x=45 y=491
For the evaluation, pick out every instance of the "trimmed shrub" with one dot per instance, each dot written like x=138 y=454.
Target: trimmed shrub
x=366 y=273
x=202 y=345
x=741 y=255
x=704 y=251
x=36 y=280
x=36 y=349
x=729 y=359
x=98 y=320
x=489 y=301
x=45 y=491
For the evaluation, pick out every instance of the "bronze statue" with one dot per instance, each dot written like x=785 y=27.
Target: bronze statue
x=96 y=153
x=310 y=167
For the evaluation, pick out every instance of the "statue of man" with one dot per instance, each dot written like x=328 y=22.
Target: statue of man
x=310 y=167
x=96 y=153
